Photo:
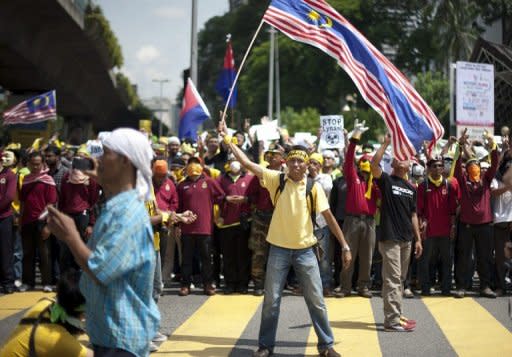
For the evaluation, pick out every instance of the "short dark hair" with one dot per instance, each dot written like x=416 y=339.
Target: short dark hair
x=299 y=147
x=35 y=154
x=53 y=149
x=68 y=292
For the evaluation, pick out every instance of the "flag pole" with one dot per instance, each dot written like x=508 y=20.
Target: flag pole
x=240 y=70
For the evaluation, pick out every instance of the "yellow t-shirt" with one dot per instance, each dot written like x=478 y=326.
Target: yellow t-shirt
x=291 y=226
x=50 y=339
x=151 y=207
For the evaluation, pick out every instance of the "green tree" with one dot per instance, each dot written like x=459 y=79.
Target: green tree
x=98 y=27
x=434 y=88
x=307 y=120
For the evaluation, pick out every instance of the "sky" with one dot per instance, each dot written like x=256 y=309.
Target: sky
x=155 y=39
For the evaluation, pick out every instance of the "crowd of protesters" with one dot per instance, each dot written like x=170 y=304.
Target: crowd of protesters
x=421 y=226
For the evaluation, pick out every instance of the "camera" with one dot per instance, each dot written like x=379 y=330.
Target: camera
x=82 y=164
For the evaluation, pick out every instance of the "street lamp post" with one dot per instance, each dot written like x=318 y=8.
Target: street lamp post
x=161 y=81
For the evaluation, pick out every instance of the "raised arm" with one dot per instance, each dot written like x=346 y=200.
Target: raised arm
x=375 y=163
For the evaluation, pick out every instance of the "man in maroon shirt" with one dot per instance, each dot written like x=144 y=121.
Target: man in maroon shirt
x=359 y=225
x=78 y=196
x=37 y=192
x=475 y=219
x=7 y=195
x=167 y=202
x=261 y=217
x=234 y=228
x=197 y=193
x=437 y=204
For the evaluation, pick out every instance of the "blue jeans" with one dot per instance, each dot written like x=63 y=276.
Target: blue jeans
x=325 y=264
x=305 y=264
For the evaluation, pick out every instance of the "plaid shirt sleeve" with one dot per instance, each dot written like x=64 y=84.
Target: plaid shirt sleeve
x=115 y=253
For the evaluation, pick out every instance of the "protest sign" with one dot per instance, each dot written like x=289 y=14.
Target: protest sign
x=332 y=132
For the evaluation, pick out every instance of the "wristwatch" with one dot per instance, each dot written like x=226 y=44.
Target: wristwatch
x=345 y=249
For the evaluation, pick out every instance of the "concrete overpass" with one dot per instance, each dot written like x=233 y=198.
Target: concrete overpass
x=44 y=46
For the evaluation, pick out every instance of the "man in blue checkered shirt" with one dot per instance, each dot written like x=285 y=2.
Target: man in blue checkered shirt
x=119 y=259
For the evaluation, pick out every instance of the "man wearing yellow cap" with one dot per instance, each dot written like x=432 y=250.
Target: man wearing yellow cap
x=291 y=240
x=360 y=208
x=316 y=162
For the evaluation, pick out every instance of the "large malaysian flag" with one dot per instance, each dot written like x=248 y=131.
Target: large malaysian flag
x=40 y=108
x=408 y=118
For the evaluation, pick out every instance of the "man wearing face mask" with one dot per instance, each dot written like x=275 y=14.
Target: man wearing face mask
x=7 y=195
x=475 y=219
x=197 y=193
x=360 y=208
x=235 y=227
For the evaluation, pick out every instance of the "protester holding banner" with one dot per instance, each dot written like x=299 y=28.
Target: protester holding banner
x=475 y=219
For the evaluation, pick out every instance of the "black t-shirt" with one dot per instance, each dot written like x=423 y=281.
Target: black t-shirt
x=398 y=205
x=338 y=198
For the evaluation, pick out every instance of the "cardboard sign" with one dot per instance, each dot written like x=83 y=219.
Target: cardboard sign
x=475 y=94
x=332 y=132
x=95 y=148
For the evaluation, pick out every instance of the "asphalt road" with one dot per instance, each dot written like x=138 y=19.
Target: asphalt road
x=228 y=325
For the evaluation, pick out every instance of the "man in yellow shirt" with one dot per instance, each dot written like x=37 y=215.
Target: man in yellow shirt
x=291 y=240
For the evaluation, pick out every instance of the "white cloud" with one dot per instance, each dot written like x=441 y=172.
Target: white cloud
x=170 y=12
x=147 y=54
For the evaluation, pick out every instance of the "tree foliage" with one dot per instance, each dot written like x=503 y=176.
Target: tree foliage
x=435 y=89
x=96 y=22
x=420 y=36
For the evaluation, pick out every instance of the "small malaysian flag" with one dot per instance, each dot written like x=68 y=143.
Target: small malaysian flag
x=40 y=108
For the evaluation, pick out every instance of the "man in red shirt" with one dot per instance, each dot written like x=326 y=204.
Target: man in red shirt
x=261 y=217
x=359 y=225
x=37 y=192
x=475 y=219
x=197 y=193
x=78 y=196
x=7 y=195
x=167 y=202
x=437 y=204
x=234 y=228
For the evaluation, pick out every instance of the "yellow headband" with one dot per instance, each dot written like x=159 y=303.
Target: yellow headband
x=317 y=157
x=298 y=154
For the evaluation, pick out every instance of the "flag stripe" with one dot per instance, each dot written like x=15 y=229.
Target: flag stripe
x=397 y=77
x=355 y=69
x=375 y=95
x=386 y=89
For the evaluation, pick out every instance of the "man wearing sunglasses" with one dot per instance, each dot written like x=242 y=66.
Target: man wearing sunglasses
x=437 y=204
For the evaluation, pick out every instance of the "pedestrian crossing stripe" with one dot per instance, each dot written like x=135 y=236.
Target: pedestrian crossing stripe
x=470 y=329
x=353 y=327
x=213 y=329
x=218 y=324
x=13 y=303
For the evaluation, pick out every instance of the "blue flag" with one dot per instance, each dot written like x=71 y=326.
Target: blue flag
x=227 y=77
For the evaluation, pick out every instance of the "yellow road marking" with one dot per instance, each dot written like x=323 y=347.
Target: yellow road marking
x=353 y=327
x=213 y=329
x=470 y=329
x=14 y=303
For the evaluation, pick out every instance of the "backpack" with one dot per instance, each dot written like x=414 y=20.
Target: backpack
x=309 y=194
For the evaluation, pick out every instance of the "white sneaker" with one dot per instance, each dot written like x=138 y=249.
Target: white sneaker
x=408 y=293
x=153 y=347
x=159 y=337
x=47 y=289
x=17 y=283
